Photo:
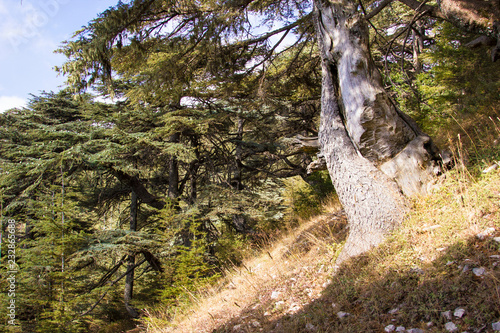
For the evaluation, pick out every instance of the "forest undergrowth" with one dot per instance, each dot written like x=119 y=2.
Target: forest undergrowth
x=439 y=271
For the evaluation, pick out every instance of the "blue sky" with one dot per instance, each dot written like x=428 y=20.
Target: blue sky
x=30 y=31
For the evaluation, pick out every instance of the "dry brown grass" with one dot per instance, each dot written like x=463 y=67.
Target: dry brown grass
x=309 y=250
x=424 y=268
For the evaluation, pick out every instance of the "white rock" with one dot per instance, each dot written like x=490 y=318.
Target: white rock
x=415 y=330
x=294 y=308
x=275 y=294
x=497 y=239
x=496 y=326
x=342 y=314
x=334 y=305
x=491 y=168
x=478 y=271
x=390 y=328
x=400 y=329
x=486 y=233
x=495 y=256
x=430 y=324
x=451 y=327
x=465 y=269
x=446 y=314
x=255 y=323
x=393 y=311
x=279 y=304
x=459 y=312
x=267 y=313
x=236 y=328
x=432 y=227
x=310 y=327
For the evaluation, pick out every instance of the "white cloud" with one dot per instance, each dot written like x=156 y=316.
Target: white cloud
x=26 y=23
x=9 y=102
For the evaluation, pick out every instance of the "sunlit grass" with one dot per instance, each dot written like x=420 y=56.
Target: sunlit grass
x=424 y=268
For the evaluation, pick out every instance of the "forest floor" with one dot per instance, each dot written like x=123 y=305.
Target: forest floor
x=440 y=272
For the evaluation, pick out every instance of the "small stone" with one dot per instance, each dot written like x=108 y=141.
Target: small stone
x=465 y=269
x=451 y=327
x=429 y=324
x=255 y=323
x=450 y=263
x=275 y=294
x=496 y=326
x=267 y=313
x=415 y=330
x=478 y=271
x=236 y=327
x=400 y=329
x=459 y=312
x=446 y=314
x=279 y=304
x=393 y=311
x=486 y=233
x=334 y=305
x=390 y=328
x=491 y=168
x=342 y=314
x=310 y=327
x=294 y=308
x=495 y=256
x=497 y=239
x=432 y=227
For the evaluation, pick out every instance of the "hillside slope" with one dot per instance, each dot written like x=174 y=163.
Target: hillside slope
x=439 y=272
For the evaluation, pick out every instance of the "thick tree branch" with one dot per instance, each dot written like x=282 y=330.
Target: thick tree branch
x=378 y=9
x=139 y=189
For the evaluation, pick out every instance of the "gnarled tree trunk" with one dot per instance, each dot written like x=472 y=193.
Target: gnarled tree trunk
x=373 y=151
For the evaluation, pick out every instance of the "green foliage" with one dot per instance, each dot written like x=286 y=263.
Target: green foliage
x=307 y=198
x=461 y=82
x=191 y=267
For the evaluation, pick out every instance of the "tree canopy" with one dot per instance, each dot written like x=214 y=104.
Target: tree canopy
x=204 y=109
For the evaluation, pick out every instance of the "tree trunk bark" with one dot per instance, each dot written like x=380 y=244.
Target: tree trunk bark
x=173 y=176
x=237 y=181
x=379 y=131
x=129 y=279
x=373 y=152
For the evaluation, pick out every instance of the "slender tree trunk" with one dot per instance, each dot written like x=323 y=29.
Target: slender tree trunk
x=238 y=175
x=129 y=279
x=173 y=176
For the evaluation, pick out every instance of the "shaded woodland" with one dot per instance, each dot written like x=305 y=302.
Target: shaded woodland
x=174 y=149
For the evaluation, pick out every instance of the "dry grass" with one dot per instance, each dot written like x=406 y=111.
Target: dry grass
x=425 y=268
x=306 y=251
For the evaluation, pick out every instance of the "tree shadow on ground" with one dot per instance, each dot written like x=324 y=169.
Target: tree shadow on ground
x=374 y=294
